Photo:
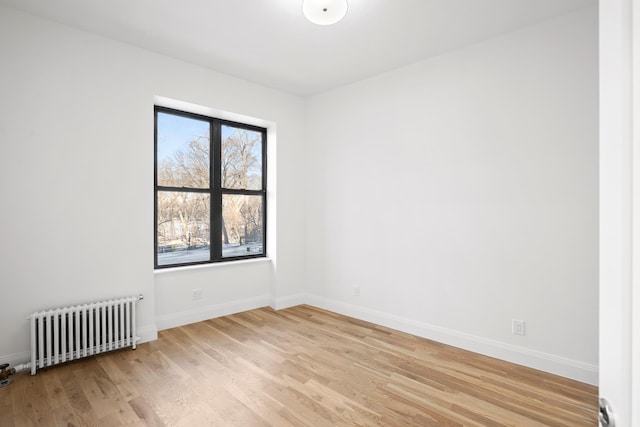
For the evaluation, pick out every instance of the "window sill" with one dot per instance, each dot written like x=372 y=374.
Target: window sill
x=212 y=265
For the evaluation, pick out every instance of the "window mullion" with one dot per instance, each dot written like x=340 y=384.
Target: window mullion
x=216 y=191
x=238 y=191
x=264 y=191
x=155 y=187
x=183 y=189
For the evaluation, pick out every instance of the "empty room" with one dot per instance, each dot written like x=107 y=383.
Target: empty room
x=317 y=213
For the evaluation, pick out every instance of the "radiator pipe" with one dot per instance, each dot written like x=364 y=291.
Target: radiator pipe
x=22 y=367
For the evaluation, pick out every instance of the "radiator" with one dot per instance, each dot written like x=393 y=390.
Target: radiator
x=67 y=333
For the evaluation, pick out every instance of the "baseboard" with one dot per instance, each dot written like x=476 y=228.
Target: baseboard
x=288 y=301
x=209 y=312
x=546 y=362
x=16 y=358
x=568 y=368
x=147 y=333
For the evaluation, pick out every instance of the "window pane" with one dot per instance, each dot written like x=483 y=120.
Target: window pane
x=241 y=225
x=183 y=151
x=241 y=158
x=183 y=227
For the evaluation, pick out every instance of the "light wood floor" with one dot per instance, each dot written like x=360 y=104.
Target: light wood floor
x=296 y=367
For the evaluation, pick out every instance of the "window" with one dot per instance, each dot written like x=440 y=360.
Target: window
x=210 y=189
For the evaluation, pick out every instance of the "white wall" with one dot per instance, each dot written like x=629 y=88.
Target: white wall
x=76 y=180
x=461 y=192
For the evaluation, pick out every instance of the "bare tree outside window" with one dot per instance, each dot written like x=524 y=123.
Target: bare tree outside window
x=242 y=223
x=241 y=159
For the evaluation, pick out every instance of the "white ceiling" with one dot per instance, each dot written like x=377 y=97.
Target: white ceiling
x=270 y=42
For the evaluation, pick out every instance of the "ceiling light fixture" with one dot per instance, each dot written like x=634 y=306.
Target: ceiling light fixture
x=324 y=12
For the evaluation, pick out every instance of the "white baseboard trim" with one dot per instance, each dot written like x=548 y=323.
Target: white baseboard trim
x=16 y=358
x=288 y=301
x=209 y=312
x=569 y=368
x=551 y=363
x=147 y=333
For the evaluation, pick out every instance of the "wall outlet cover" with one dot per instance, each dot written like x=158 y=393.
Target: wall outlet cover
x=517 y=327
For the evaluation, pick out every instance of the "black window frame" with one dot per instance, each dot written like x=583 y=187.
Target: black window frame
x=215 y=190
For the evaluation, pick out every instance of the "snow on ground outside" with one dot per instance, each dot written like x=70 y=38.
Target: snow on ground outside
x=202 y=254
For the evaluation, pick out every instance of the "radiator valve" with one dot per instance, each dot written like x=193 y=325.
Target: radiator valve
x=5 y=375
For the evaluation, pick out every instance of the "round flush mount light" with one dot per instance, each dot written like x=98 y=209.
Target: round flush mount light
x=324 y=12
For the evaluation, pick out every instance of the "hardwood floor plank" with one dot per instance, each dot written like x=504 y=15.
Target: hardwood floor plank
x=145 y=412
x=301 y=366
x=269 y=410
x=305 y=410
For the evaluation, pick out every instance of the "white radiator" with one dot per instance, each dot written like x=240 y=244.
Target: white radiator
x=68 y=333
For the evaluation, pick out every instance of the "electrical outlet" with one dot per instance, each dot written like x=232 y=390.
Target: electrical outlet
x=517 y=327
x=356 y=291
x=196 y=294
